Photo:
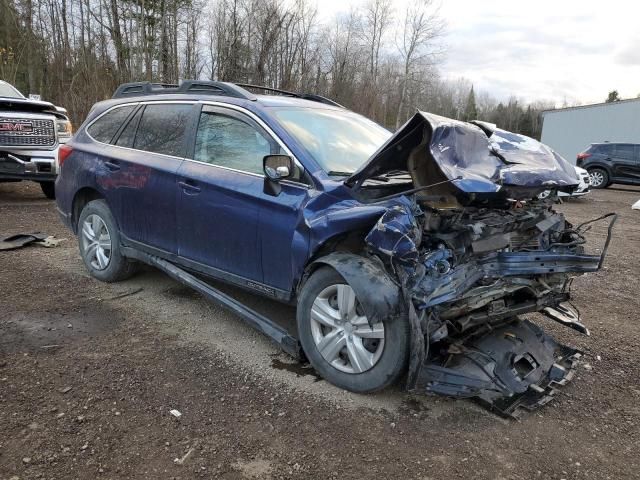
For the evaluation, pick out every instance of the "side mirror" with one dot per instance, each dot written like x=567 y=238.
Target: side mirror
x=277 y=167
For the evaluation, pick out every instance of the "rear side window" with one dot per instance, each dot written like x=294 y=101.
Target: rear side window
x=624 y=151
x=162 y=129
x=603 y=149
x=105 y=127
x=128 y=134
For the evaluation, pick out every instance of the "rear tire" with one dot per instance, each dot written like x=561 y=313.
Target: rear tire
x=49 y=189
x=599 y=178
x=99 y=242
x=361 y=359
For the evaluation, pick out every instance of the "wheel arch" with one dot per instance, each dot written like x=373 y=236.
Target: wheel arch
x=379 y=294
x=601 y=165
x=80 y=199
x=350 y=241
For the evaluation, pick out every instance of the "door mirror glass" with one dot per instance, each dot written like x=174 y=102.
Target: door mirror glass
x=277 y=167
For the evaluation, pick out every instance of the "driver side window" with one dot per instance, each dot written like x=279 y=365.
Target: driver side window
x=230 y=142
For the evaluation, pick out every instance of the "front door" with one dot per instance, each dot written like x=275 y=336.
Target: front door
x=219 y=191
x=223 y=212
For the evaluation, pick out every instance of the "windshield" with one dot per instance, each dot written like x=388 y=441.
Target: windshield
x=7 y=90
x=339 y=140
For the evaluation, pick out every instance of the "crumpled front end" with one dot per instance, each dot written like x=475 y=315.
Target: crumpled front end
x=466 y=274
x=468 y=161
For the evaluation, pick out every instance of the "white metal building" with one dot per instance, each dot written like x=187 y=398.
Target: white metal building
x=570 y=130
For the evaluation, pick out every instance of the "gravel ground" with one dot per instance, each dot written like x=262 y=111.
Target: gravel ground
x=89 y=373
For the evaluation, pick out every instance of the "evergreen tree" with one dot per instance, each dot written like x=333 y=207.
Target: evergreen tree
x=471 y=110
x=613 y=96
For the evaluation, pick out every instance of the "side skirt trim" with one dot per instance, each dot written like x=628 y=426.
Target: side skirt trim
x=268 y=327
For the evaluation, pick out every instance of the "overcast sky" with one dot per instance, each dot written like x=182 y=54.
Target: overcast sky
x=553 y=50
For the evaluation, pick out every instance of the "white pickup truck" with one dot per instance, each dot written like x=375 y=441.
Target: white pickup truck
x=30 y=134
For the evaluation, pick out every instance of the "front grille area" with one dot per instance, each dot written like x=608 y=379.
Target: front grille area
x=42 y=133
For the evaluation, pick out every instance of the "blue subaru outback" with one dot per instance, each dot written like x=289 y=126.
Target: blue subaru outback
x=408 y=255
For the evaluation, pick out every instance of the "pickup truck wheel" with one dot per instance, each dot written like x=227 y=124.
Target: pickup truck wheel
x=338 y=340
x=599 y=178
x=49 y=189
x=99 y=241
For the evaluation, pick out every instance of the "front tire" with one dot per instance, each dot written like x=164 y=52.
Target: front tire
x=99 y=242
x=599 y=178
x=338 y=341
x=49 y=189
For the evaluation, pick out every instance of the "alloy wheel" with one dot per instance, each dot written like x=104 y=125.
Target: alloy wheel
x=342 y=332
x=96 y=242
x=597 y=178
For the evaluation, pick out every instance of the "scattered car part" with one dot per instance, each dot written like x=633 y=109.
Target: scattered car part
x=516 y=366
x=20 y=240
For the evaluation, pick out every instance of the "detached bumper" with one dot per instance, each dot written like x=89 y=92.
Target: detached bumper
x=36 y=165
x=516 y=367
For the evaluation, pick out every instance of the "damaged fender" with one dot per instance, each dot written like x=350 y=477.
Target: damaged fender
x=378 y=294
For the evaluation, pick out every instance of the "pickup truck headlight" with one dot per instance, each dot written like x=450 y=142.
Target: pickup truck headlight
x=64 y=128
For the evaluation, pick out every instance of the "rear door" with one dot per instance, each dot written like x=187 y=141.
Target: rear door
x=625 y=162
x=225 y=218
x=138 y=173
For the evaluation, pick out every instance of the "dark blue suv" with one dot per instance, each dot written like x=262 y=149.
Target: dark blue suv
x=406 y=255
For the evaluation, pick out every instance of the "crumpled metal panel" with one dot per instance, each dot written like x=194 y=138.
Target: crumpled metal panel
x=377 y=292
x=486 y=164
x=397 y=235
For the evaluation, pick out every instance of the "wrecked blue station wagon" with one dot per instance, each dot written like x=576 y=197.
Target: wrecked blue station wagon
x=409 y=256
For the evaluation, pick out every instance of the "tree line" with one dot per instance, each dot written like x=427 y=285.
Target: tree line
x=378 y=60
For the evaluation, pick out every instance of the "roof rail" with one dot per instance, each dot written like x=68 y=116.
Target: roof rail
x=319 y=98
x=307 y=96
x=206 y=87
x=268 y=89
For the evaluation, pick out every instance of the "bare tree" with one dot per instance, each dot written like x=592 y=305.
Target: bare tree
x=422 y=26
x=377 y=19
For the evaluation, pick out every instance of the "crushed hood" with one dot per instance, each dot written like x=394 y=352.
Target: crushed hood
x=487 y=159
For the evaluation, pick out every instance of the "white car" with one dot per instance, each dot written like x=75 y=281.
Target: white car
x=583 y=187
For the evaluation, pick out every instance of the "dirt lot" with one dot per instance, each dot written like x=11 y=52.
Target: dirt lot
x=90 y=371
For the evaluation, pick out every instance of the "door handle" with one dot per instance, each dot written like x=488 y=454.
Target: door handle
x=113 y=166
x=189 y=188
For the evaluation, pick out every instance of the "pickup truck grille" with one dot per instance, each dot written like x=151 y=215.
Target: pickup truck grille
x=21 y=132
